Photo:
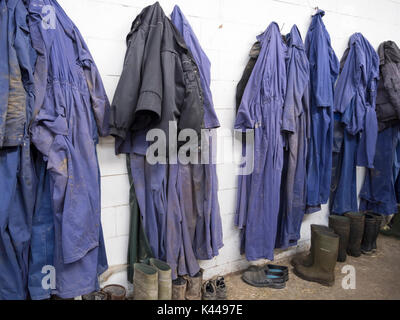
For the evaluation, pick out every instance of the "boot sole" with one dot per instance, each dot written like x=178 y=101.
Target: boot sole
x=270 y=285
x=368 y=253
x=322 y=282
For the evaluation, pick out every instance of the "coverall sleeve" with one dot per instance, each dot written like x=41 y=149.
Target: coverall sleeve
x=322 y=70
x=98 y=96
x=289 y=108
x=192 y=109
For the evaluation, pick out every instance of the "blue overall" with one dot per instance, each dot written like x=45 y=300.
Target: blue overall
x=150 y=182
x=42 y=240
x=295 y=124
x=356 y=133
x=261 y=109
x=324 y=69
x=18 y=181
x=207 y=235
x=379 y=193
x=71 y=110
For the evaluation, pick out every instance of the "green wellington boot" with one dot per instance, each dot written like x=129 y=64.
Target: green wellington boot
x=341 y=226
x=326 y=248
x=307 y=260
x=394 y=229
x=164 y=279
x=357 y=226
x=145 y=282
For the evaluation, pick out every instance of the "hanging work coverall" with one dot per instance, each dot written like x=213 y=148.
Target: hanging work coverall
x=357 y=128
x=18 y=180
x=324 y=69
x=197 y=184
x=261 y=109
x=71 y=110
x=151 y=94
x=295 y=125
x=380 y=191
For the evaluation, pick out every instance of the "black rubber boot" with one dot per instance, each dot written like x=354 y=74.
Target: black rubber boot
x=356 y=233
x=341 y=226
x=326 y=249
x=369 y=234
x=378 y=224
x=307 y=260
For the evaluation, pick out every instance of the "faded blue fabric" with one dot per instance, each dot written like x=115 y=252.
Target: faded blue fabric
x=4 y=69
x=179 y=244
x=355 y=97
x=203 y=63
x=17 y=196
x=150 y=182
x=42 y=241
x=324 y=69
x=71 y=107
x=378 y=193
x=295 y=124
x=205 y=220
x=12 y=127
x=261 y=109
x=18 y=180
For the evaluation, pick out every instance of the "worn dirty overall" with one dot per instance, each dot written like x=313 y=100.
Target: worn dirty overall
x=356 y=129
x=295 y=125
x=324 y=69
x=71 y=108
x=18 y=182
x=261 y=109
x=168 y=90
x=206 y=232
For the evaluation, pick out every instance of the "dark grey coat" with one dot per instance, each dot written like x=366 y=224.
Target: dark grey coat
x=388 y=95
x=159 y=83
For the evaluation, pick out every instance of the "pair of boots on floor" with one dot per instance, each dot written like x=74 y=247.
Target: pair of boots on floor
x=153 y=281
x=353 y=234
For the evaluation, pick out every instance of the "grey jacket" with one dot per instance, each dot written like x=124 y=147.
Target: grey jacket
x=159 y=83
x=388 y=95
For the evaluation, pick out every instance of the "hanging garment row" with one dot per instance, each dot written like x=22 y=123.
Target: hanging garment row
x=308 y=140
x=310 y=134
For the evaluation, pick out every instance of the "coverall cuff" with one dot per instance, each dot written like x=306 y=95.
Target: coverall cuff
x=149 y=101
x=118 y=132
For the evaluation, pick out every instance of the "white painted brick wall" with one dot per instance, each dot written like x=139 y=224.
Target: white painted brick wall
x=226 y=30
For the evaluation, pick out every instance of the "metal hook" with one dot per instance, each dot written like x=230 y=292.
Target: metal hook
x=282 y=27
x=315 y=10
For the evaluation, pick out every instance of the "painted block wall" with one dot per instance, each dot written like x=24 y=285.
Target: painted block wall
x=226 y=29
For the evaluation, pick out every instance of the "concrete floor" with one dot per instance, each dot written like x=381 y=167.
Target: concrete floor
x=377 y=277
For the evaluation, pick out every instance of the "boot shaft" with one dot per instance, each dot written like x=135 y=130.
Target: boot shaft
x=357 y=225
x=164 y=279
x=341 y=226
x=145 y=282
x=369 y=234
x=179 y=289
x=194 y=284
